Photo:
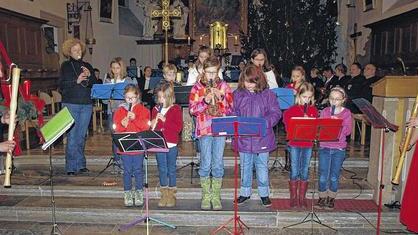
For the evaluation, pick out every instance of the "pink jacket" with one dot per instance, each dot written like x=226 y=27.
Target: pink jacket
x=198 y=106
x=345 y=115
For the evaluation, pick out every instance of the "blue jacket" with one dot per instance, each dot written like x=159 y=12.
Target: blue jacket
x=263 y=104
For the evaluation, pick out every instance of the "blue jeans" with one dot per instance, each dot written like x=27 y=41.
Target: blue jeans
x=211 y=156
x=330 y=164
x=133 y=165
x=76 y=137
x=167 y=167
x=247 y=160
x=300 y=159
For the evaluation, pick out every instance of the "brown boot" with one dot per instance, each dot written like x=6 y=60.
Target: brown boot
x=303 y=187
x=171 y=197
x=293 y=189
x=163 y=199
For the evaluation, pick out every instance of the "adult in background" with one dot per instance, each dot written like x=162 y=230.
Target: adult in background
x=330 y=78
x=196 y=71
x=76 y=80
x=354 y=87
x=143 y=85
x=342 y=78
x=133 y=71
x=316 y=81
x=259 y=58
x=97 y=75
x=370 y=76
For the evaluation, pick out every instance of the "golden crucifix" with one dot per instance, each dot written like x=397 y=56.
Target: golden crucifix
x=165 y=14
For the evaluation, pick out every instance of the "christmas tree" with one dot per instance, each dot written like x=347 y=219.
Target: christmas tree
x=297 y=32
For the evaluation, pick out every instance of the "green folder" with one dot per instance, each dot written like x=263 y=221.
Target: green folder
x=56 y=127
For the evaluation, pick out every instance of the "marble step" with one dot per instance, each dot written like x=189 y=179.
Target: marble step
x=186 y=213
x=181 y=160
x=201 y=218
x=182 y=193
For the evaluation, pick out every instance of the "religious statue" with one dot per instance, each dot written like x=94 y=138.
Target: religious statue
x=150 y=25
x=179 y=24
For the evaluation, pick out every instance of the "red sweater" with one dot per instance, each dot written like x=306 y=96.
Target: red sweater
x=173 y=124
x=297 y=111
x=140 y=123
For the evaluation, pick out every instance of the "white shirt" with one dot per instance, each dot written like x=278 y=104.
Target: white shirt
x=194 y=74
x=146 y=85
x=163 y=111
x=271 y=79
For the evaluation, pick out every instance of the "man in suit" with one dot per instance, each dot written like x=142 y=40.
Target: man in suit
x=342 y=78
x=143 y=85
x=370 y=76
x=354 y=87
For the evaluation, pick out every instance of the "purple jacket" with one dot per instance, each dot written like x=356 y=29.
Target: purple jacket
x=263 y=104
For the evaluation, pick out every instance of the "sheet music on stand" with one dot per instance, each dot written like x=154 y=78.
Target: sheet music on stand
x=314 y=129
x=373 y=116
x=285 y=97
x=109 y=91
x=248 y=126
x=132 y=142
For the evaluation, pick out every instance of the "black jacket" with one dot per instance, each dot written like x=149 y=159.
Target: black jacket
x=354 y=89
x=72 y=92
x=367 y=90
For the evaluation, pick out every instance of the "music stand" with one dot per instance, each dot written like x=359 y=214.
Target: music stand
x=142 y=143
x=237 y=127
x=182 y=94
x=315 y=130
x=108 y=91
x=285 y=98
x=154 y=81
x=50 y=132
x=377 y=121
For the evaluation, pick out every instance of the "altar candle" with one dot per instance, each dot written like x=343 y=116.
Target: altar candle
x=188 y=40
x=236 y=40
x=201 y=40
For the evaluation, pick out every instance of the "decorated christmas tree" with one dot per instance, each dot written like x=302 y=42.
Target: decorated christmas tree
x=297 y=32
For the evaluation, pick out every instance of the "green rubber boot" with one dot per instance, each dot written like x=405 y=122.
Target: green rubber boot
x=216 y=194
x=206 y=195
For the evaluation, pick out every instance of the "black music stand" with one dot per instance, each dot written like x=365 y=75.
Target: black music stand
x=315 y=130
x=378 y=122
x=109 y=91
x=285 y=98
x=51 y=131
x=237 y=127
x=182 y=94
x=142 y=143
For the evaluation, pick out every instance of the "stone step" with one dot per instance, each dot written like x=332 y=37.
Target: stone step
x=182 y=193
x=195 y=218
x=102 y=160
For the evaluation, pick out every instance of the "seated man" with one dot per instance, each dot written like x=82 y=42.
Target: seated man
x=144 y=87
